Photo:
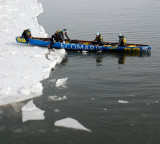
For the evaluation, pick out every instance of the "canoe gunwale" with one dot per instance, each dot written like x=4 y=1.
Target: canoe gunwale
x=90 y=42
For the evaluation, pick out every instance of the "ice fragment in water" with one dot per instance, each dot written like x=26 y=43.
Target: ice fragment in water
x=84 y=52
x=56 y=110
x=123 y=101
x=61 y=83
x=31 y=112
x=56 y=98
x=70 y=123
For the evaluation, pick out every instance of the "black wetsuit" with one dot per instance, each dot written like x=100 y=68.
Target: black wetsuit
x=26 y=34
x=121 y=43
x=58 y=36
x=99 y=40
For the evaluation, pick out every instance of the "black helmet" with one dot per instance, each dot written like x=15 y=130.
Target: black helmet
x=29 y=30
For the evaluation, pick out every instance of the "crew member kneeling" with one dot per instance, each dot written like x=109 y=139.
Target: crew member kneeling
x=27 y=34
x=98 y=39
x=122 y=40
x=59 y=37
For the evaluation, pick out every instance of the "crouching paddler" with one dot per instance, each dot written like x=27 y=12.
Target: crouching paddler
x=58 y=37
x=27 y=34
x=122 y=40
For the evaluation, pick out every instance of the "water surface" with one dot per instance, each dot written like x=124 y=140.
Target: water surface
x=97 y=81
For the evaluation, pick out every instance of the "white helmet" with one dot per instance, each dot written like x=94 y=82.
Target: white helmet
x=97 y=33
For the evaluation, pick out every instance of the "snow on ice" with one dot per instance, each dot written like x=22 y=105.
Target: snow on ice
x=22 y=66
x=31 y=112
x=61 y=83
x=70 y=123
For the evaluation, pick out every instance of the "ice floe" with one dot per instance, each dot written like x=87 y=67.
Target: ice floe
x=56 y=98
x=61 y=83
x=22 y=66
x=70 y=123
x=123 y=101
x=31 y=112
x=84 y=52
x=56 y=110
x=105 y=109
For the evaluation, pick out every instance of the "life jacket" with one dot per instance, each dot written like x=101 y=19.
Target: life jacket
x=26 y=33
x=124 y=40
x=100 y=38
x=58 y=31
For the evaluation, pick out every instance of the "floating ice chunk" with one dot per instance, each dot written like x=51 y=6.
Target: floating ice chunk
x=84 y=52
x=56 y=98
x=36 y=88
x=61 y=83
x=31 y=112
x=70 y=123
x=52 y=80
x=123 y=101
x=92 y=98
x=99 y=51
x=105 y=109
x=56 y=110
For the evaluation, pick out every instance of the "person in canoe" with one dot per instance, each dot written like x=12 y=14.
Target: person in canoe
x=122 y=40
x=59 y=37
x=98 y=39
x=27 y=34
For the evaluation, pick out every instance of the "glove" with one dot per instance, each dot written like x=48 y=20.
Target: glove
x=63 y=42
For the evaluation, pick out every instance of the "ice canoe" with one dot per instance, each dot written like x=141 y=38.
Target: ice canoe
x=81 y=45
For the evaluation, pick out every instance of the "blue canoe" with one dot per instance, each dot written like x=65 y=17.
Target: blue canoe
x=80 y=45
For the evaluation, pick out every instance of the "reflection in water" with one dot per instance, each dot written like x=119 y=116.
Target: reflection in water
x=99 y=59
x=121 y=60
x=98 y=56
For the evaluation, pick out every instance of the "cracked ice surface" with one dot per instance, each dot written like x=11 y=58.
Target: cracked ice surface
x=22 y=66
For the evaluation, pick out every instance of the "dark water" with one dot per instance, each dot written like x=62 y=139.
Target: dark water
x=96 y=81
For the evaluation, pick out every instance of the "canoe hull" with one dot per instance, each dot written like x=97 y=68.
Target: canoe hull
x=83 y=47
